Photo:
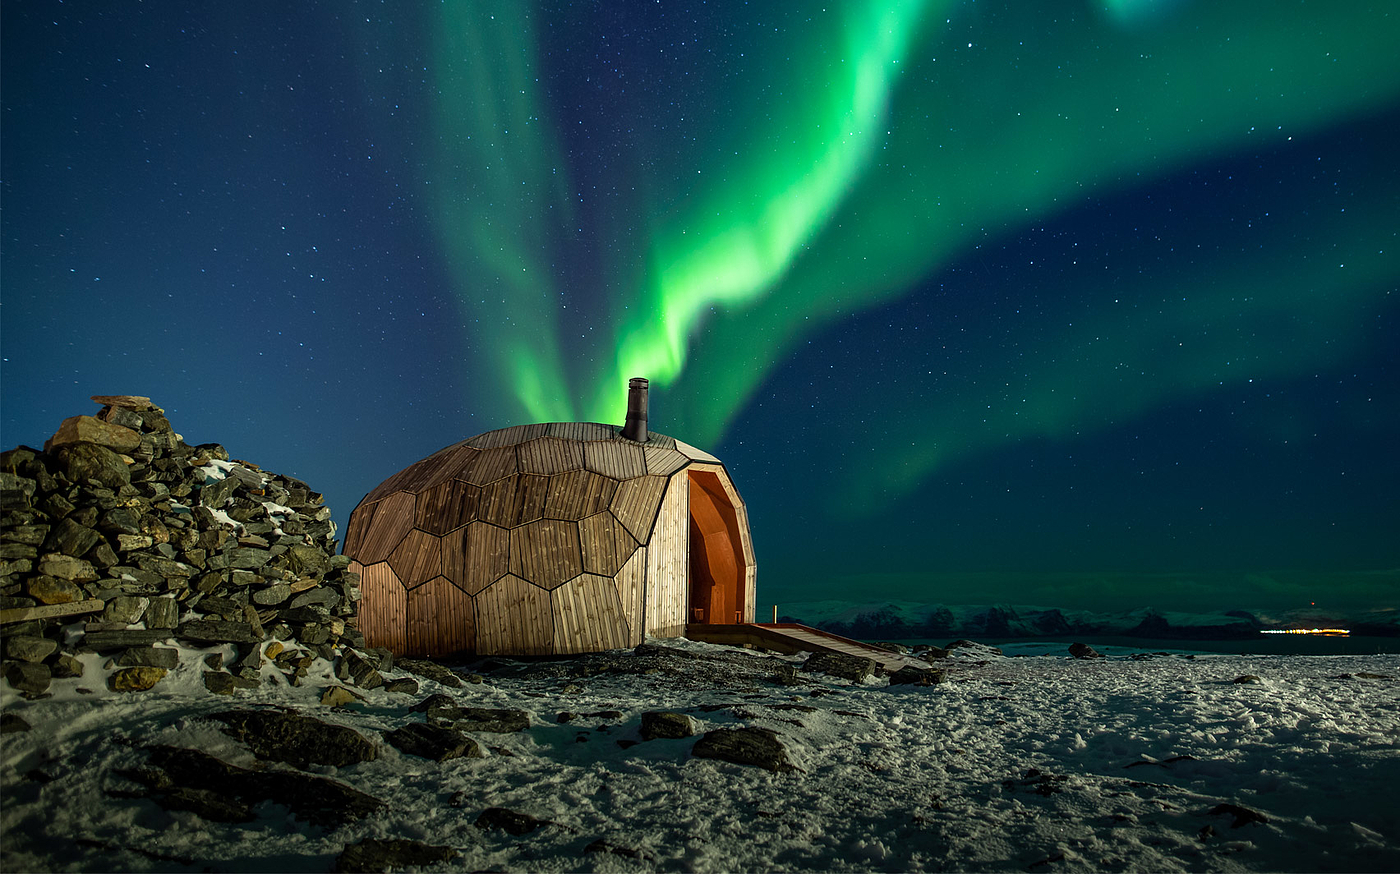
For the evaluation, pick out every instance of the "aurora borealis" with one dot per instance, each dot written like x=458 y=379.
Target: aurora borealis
x=1095 y=301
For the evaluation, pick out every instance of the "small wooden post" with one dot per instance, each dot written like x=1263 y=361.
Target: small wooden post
x=775 y=614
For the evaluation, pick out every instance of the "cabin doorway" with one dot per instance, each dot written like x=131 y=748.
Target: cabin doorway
x=716 y=557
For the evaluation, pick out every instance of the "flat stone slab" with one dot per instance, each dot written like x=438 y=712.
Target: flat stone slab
x=758 y=747
x=434 y=742
x=316 y=800
x=300 y=741
x=373 y=854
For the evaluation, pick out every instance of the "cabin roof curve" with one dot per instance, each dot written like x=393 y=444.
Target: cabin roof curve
x=575 y=491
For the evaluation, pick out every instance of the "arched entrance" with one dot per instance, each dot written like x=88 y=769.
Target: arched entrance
x=716 y=554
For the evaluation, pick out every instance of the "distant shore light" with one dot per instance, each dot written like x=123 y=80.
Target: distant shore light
x=1333 y=632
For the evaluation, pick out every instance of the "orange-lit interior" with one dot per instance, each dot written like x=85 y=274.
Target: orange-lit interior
x=716 y=563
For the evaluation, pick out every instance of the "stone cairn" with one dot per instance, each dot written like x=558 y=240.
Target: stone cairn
x=119 y=536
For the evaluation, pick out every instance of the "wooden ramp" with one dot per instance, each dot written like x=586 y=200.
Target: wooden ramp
x=789 y=637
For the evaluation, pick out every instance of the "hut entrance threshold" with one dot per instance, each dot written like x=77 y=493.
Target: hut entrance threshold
x=716 y=562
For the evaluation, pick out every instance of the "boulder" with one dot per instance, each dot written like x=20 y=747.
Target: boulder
x=434 y=742
x=223 y=683
x=373 y=854
x=84 y=461
x=300 y=741
x=758 y=747
x=150 y=657
x=316 y=800
x=511 y=821
x=67 y=567
x=430 y=670
x=1084 y=651
x=29 y=648
x=30 y=677
x=835 y=664
x=912 y=676
x=135 y=679
x=668 y=724
x=88 y=429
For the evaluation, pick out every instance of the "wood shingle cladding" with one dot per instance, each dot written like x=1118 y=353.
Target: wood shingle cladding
x=548 y=539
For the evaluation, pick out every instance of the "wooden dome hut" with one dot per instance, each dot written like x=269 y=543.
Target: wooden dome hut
x=551 y=539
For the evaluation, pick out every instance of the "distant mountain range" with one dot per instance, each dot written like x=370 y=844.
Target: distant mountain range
x=894 y=620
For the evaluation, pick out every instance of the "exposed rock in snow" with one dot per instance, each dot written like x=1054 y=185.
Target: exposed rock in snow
x=1011 y=763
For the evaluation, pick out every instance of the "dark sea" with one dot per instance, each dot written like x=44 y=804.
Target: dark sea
x=1264 y=644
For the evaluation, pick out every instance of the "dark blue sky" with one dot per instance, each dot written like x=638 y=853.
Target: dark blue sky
x=1012 y=353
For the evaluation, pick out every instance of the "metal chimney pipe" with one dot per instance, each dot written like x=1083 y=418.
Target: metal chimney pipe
x=635 y=427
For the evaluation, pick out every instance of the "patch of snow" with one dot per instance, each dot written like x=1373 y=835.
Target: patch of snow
x=1040 y=762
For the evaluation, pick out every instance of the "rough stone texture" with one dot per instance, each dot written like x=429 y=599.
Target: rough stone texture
x=484 y=719
x=361 y=672
x=316 y=800
x=10 y=723
x=28 y=677
x=835 y=664
x=67 y=567
x=1083 y=651
x=297 y=740
x=87 y=429
x=134 y=537
x=219 y=631
x=912 y=676
x=373 y=854
x=759 y=747
x=29 y=648
x=151 y=657
x=667 y=724
x=135 y=679
x=84 y=461
x=433 y=742
x=511 y=821
x=430 y=670
x=223 y=683
x=66 y=667
x=125 y=609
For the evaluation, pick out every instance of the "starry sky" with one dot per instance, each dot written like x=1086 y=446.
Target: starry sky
x=1078 y=304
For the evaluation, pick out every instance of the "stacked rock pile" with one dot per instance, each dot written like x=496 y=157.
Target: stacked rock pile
x=119 y=536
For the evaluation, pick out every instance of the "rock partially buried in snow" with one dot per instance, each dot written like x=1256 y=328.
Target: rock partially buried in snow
x=373 y=854
x=297 y=740
x=667 y=724
x=1084 y=651
x=434 y=742
x=312 y=799
x=835 y=664
x=912 y=676
x=135 y=679
x=511 y=821
x=759 y=747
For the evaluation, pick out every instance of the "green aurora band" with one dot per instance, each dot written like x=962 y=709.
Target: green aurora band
x=918 y=131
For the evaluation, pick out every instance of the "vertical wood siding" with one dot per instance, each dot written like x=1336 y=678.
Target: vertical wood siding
x=393 y=518
x=514 y=617
x=631 y=592
x=383 y=613
x=475 y=556
x=417 y=559
x=588 y=616
x=667 y=577
x=441 y=620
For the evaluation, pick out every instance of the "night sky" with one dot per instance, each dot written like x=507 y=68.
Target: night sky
x=1077 y=304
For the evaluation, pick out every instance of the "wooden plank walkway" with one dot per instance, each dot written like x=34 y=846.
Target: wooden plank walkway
x=792 y=638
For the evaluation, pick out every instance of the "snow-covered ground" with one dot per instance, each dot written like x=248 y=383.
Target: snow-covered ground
x=1036 y=763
